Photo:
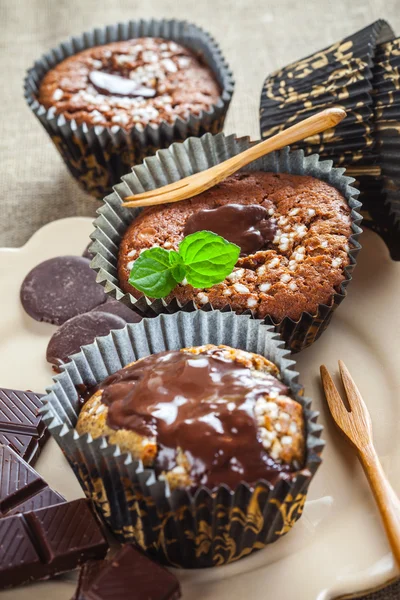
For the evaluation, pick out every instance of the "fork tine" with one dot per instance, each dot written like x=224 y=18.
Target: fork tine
x=189 y=190
x=335 y=402
x=354 y=397
x=175 y=185
x=172 y=196
x=164 y=191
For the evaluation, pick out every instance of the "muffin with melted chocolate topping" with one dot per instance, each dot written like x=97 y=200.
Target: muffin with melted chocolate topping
x=130 y=83
x=199 y=453
x=110 y=97
x=293 y=231
x=201 y=416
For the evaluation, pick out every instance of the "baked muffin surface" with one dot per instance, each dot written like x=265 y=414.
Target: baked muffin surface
x=152 y=80
x=301 y=267
x=201 y=416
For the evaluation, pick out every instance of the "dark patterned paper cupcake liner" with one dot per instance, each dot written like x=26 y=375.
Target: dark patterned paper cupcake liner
x=197 y=155
x=98 y=156
x=361 y=74
x=379 y=212
x=210 y=527
x=387 y=127
x=342 y=75
x=349 y=56
x=342 y=68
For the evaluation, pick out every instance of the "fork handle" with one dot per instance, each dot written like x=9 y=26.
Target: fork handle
x=385 y=496
x=174 y=192
x=321 y=121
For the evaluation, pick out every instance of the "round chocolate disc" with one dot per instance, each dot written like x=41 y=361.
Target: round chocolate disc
x=79 y=331
x=117 y=308
x=61 y=288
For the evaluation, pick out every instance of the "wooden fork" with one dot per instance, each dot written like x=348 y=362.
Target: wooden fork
x=199 y=182
x=357 y=427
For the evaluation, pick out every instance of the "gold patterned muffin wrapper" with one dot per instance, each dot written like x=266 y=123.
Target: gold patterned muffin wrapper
x=361 y=74
x=97 y=156
x=204 y=529
x=387 y=126
x=358 y=46
x=197 y=155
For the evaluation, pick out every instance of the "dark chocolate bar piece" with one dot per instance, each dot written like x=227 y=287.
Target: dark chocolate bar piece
x=88 y=572
x=43 y=543
x=21 y=427
x=129 y=574
x=21 y=488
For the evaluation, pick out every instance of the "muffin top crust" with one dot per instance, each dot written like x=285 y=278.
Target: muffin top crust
x=130 y=84
x=201 y=416
x=295 y=234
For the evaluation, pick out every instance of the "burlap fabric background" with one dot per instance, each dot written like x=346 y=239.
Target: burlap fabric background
x=257 y=36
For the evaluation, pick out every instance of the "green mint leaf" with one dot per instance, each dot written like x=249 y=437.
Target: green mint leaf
x=178 y=268
x=208 y=258
x=204 y=258
x=154 y=275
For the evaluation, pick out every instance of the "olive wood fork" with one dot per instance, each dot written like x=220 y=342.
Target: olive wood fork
x=357 y=427
x=199 y=182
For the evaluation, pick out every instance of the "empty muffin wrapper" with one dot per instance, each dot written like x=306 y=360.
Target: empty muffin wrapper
x=190 y=157
x=387 y=97
x=361 y=74
x=178 y=528
x=97 y=156
x=341 y=74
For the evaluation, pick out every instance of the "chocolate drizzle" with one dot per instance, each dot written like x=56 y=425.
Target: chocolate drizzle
x=115 y=85
x=202 y=403
x=247 y=225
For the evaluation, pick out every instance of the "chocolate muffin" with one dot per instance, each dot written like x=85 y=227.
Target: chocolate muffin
x=293 y=231
x=130 y=84
x=201 y=416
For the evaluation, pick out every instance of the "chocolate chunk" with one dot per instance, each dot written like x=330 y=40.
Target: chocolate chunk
x=88 y=572
x=79 y=331
x=21 y=427
x=46 y=542
x=117 y=308
x=21 y=488
x=61 y=288
x=115 y=85
x=246 y=225
x=129 y=574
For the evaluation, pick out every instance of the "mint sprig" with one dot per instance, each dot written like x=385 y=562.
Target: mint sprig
x=203 y=258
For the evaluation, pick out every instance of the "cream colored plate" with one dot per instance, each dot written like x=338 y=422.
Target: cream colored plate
x=338 y=546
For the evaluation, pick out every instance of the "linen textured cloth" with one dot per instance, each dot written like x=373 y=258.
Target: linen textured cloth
x=256 y=36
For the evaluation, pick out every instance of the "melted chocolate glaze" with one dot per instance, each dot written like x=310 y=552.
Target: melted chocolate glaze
x=203 y=404
x=247 y=225
x=115 y=85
